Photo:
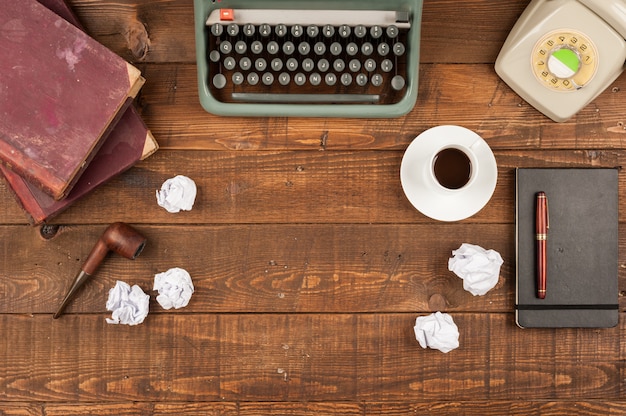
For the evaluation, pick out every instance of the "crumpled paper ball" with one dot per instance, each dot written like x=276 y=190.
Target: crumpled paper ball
x=479 y=268
x=175 y=288
x=129 y=305
x=437 y=331
x=177 y=193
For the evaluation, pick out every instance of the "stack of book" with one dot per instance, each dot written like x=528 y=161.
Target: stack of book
x=67 y=122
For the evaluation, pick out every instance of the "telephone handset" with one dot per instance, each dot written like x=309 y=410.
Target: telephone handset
x=561 y=54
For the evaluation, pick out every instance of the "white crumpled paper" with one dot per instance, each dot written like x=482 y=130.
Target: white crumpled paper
x=479 y=268
x=175 y=288
x=129 y=305
x=177 y=193
x=437 y=331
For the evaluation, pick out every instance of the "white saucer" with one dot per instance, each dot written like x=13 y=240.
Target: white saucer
x=430 y=198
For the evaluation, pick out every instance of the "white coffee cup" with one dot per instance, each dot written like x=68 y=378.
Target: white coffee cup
x=453 y=167
x=448 y=173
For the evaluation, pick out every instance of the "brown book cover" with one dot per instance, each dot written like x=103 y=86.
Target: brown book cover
x=61 y=93
x=129 y=142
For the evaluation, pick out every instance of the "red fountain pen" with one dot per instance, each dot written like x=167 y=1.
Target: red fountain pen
x=542 y=223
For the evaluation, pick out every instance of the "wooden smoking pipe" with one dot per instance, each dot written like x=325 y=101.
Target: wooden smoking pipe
x=119 y=238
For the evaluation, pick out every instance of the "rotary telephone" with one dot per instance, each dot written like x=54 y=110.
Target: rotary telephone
x=561 y=54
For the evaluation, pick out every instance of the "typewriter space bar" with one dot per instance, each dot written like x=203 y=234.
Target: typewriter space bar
x=251 y=97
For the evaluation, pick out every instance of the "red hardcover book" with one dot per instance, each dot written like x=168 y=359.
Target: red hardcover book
x=129 y=142
x=61 y=93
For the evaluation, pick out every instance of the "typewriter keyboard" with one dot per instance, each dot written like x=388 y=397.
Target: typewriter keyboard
x=307 y=56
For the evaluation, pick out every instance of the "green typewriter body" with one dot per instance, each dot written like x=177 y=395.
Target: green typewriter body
x=354 y=58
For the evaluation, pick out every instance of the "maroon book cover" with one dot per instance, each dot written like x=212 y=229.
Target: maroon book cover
x=61 y=93
x=129 y=142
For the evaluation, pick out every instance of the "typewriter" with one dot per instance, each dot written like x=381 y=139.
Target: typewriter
x=349 y=58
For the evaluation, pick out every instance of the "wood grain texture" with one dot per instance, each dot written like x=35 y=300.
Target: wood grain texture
x=309 y=263
x=470 y=95
x=259 y=187
x=300 y=187
x=268 y=268
x=452 y=31
x=299 y=357
x=465 y=408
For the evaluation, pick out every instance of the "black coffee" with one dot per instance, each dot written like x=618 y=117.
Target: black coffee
x=452 y=168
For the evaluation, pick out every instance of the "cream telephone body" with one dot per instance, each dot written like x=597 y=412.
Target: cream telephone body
x=561 y=54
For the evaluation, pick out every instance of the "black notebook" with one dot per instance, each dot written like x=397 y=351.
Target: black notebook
x=582 y=248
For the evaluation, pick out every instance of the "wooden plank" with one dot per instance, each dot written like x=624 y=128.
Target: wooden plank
x=268 y=268
x=469 y=95
x=451 y=32
x=495 y=407
x=299 y=357
x=299 y=187
x=466 y=31
x=82 y=358
x=466 y=408
x=329 y=408
x=622 y=325
x=21 y=409
x=106 y=409
x=291 y=187
x=498 y=361
x=158 y=31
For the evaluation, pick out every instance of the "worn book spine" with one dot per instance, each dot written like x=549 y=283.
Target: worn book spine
x=62 y=93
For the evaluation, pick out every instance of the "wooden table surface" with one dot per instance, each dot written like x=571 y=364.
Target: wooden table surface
x=309 y=263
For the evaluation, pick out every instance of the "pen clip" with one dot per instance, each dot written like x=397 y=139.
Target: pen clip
x=547 y=214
